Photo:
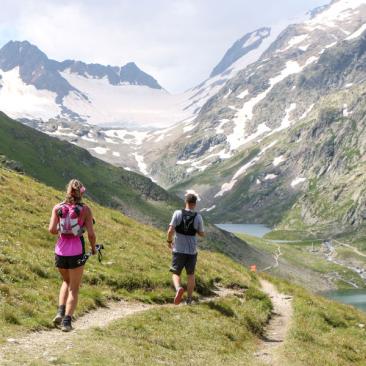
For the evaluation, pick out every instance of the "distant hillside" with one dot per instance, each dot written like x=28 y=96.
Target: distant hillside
x=55 y=162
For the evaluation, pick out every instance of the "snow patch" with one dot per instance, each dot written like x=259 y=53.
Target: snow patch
x=270 y=177
x=110 y=141
x=99 y=150
x=277 y=161
x=358 y=32
x=227 y=94
x=295 y=41
x=219 y=129
x=141 y=164
x=209 y=209
x=346 y=112
x=286 y=122
x=297 y=181
x=89 y=137
x=304 y=48
x=243 y=94
x=305 y=114
x=189 y=127
x=116 y=154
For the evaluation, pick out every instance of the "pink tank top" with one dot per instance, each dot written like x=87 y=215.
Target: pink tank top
x=69 y=245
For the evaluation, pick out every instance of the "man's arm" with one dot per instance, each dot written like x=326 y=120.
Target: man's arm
x=201 y=229
x=170 y=235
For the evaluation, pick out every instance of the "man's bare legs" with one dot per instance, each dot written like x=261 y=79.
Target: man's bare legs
x=191 y=283
x=176 y=281
x=178 y=288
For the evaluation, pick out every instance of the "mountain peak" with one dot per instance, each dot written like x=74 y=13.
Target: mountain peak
x=241 y=47
x=16 y=53
x=132 y=74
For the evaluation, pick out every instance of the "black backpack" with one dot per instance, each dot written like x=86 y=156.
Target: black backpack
x=186 y=226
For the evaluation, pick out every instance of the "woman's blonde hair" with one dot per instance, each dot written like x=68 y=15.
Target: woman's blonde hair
x=74 y=191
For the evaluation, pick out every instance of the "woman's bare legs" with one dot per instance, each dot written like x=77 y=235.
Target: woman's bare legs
x=64 y=290
x=75 y=276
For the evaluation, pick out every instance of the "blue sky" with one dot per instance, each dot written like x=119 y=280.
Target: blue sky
x=176 y=41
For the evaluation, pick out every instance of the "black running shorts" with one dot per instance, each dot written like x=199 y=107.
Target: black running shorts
x=69 y=262
x=181 y=260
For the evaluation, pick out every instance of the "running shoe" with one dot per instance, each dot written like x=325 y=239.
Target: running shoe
x=178 y=296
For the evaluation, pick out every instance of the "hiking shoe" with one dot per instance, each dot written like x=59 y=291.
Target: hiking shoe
x=178 y=296
x=66 y=324
x=189 y=301
x=57 y=320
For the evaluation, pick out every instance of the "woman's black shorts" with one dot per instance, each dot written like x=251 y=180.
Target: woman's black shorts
x=69 y=262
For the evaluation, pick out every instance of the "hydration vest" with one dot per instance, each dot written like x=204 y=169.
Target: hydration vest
x=69 y=219
x=186 y=226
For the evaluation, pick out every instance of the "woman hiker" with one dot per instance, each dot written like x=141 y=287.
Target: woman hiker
x=69 y=220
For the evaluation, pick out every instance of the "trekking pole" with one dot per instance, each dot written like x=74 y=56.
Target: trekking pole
x=86 y=256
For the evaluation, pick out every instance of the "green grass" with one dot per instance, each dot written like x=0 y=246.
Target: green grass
x=322 y=332
x=135 y=264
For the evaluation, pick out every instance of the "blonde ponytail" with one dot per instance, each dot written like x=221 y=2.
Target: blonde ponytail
x=74 y=191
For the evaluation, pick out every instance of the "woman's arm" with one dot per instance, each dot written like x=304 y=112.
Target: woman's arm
x=90 y=229
x=52 y=228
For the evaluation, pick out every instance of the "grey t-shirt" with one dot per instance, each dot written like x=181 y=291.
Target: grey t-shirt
x=185 y=243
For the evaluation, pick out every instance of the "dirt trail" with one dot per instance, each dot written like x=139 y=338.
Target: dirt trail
x=45 y=345
x=277 y=327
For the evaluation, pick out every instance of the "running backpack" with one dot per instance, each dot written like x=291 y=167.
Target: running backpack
x=186 y=226
x=69 y=219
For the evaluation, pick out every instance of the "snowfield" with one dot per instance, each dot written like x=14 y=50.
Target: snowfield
x=108 y=104
x=19 y=100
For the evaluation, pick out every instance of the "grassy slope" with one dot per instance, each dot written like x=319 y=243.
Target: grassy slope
x=135 y=266
x=55 y=162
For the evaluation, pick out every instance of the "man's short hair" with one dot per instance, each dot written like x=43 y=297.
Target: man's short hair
x=191 y=198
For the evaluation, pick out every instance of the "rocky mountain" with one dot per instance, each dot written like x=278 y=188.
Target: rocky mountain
x=282 y=142
x=34 y=87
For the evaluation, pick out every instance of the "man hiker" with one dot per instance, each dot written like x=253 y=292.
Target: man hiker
x=185 y=224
